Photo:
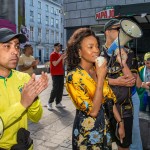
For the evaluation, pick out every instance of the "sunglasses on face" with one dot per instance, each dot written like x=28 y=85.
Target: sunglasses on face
x=114 y=28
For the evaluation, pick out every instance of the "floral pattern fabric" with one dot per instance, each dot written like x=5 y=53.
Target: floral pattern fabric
x=89 y=133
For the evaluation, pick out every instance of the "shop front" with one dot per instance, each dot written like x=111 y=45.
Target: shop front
x=140 y=13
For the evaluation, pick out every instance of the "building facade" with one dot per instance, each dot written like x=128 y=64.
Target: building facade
x=42 y=22
x=95 y=13
x=43 y=26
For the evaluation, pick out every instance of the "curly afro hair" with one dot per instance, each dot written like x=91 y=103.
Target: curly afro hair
x=74 y=44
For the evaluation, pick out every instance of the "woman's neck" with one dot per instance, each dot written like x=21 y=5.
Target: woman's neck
x=87 y=67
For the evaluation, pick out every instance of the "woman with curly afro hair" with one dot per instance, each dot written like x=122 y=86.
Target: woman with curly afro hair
x=88 y=89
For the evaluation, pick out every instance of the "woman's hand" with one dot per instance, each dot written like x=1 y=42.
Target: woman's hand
x=101 y=70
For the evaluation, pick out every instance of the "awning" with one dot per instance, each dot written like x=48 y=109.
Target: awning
x=139 y=12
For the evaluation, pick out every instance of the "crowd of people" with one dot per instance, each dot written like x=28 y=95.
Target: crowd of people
x=107 y=91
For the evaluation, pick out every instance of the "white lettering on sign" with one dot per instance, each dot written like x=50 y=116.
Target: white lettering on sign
x=105 y=14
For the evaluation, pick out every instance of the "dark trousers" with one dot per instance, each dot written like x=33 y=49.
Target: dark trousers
x=57 y=89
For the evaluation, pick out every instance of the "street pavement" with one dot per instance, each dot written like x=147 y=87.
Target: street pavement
x=54 y=130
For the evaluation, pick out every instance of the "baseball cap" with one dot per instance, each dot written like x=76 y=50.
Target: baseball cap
x=7 y=34
x=27 y=45
x=57 y=44
x=111 y=23
x=147 y=56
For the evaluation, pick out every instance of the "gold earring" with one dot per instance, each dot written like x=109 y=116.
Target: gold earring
x=79 y=56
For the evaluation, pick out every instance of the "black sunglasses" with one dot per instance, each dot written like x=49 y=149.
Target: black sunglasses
x=114 y=28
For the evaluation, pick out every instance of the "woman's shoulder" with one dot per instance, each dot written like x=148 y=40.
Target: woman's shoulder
x=74 y=74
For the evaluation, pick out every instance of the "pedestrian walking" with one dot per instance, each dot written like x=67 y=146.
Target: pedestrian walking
x=57 y=74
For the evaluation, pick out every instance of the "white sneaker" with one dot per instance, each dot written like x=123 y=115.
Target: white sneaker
x=60 y=106
x=49 y=106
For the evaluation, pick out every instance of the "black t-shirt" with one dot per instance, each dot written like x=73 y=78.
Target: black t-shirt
x=123 y=94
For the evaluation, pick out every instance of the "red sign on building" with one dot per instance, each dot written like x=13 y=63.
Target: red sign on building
x=105 y=14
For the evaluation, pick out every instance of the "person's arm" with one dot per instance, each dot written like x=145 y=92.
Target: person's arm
x=83 y=101
x=30 y=91
x=123 y=62
x=24 y=67
x=97 y=100
x=128 y=78
x=35 y=110
x=120 y=123
x=110 y=96
x=36 y=63
x=122 y=81
x=9 y=116
x=140 y=84
x=56 y=62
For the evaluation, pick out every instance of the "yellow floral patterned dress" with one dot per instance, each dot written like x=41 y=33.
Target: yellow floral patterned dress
x=88 y=132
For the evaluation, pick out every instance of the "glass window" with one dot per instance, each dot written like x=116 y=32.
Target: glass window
x=39 y=4
x=31 y=33
x=57 y=25
x=47 y=54
x=57 y=11
x=39 y=34
x=52 y=36
x=47 y=20
x=31 y=2
x=31 y=15
x=52 y=10
x=39 y=18
x=52 y=22
x=57 y=37
x=47 y=36
x=47 y=8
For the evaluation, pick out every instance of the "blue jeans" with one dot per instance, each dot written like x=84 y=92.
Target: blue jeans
x=136 y=137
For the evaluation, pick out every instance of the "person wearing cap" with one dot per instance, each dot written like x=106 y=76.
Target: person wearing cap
x=121 y=80
x=144 y=94
x=57 y=73
x=18 y=95
x=27 y=62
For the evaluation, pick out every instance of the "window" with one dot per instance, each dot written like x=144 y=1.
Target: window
x=47 y=36
x=52 y=10
x=31 y=33
x=57 y=37
x=31 y=2
x=39 y=18
x=47 y=20
x=57 y=11
x=31 y=15
x=47 y=8
x=52 y=22
x=39 y=5
x=57 y=25
x=52 y=36
x=39 y=34
x=47 y=54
